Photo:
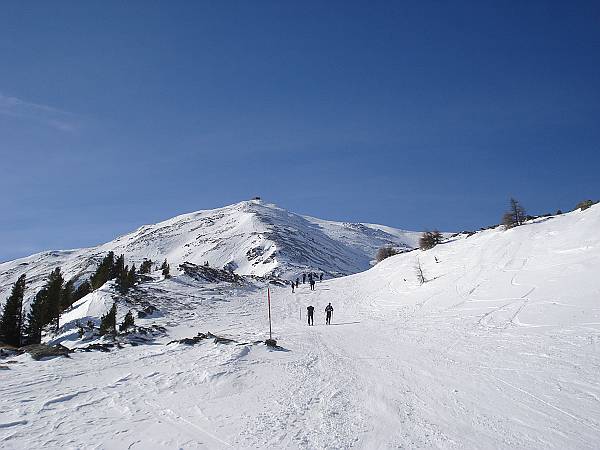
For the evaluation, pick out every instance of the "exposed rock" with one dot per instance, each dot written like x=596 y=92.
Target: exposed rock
x=201 y=337
x=40 y=351
x=147 y=311
x=105 y=347
x=254 y=253
x=222 y=340
x=193 y=340
x=210 y=274
x=8 y=350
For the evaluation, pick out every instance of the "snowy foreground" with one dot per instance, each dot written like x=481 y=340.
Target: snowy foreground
x=500 y=348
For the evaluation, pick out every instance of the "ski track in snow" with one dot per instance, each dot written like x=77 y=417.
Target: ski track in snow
x=499 y=349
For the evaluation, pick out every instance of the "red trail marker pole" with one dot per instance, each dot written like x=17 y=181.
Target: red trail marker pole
x=270 y=342
x=269 y=300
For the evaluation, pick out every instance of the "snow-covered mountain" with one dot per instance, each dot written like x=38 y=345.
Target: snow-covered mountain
x=249 y=238
x=499 y=348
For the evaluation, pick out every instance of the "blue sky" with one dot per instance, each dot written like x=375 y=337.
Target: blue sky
x=412 y=114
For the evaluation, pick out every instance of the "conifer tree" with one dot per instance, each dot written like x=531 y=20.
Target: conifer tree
x=108 y=322
x=131 y=276
x=165 y=269
x=11 y=323
x=146 y=266
x=128 y=322
x=37 y=318
x=67 y=297
x=104 y=271
x=118 y=268
x=54 y=289
x=122 y=280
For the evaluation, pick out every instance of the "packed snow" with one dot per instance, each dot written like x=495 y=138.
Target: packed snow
x=499 y=348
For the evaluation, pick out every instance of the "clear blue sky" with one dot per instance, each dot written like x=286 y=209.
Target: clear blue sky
x=413 y=114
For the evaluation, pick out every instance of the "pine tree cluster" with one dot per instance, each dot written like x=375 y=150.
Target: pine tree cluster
x=57 y=295
x=146 y=267
x=114 y=269
x=11 y=323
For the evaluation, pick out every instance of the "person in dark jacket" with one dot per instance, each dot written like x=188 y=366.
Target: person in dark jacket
x=328 y=313
x=297 y=282
x=310 y=311
x=292 y=286
x=312 y=284
x=320 y=277
x=303 y=278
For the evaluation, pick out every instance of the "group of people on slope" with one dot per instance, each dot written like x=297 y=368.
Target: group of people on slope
x=328 y=312
x=312 y=279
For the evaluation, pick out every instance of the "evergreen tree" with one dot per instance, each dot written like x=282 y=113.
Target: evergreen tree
x=67 y=297
x=128 y=322
x=54 y=288
x=166 y=270
x=108 y=322
x=122 y=285
x=103 y=272
x=146 y=266
x=11 y=323
x=131 y=276
x=37 y=318
x=515 y=216
x=118 y=268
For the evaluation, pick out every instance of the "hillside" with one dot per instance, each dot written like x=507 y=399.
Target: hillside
x=250 y=238
x=499 y=348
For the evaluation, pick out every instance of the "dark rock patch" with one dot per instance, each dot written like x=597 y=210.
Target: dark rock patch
x=41 y=351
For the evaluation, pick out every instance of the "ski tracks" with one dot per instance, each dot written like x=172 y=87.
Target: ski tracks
x=319 y=406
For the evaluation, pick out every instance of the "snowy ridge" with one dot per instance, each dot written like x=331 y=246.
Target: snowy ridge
x=250 y=238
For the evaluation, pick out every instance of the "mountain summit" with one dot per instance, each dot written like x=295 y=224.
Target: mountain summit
x=248 y=238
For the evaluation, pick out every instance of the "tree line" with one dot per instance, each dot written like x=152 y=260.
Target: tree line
x=57 y=295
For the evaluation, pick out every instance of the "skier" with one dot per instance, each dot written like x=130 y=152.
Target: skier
x=321 y=277
x=328 y=312
x=297 y=282
x=303 y=278
x=292 y=286
x=310 y=310
x=312 y=284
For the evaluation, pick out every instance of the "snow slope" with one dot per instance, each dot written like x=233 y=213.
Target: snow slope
x=250 y=237
x=500 y=348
